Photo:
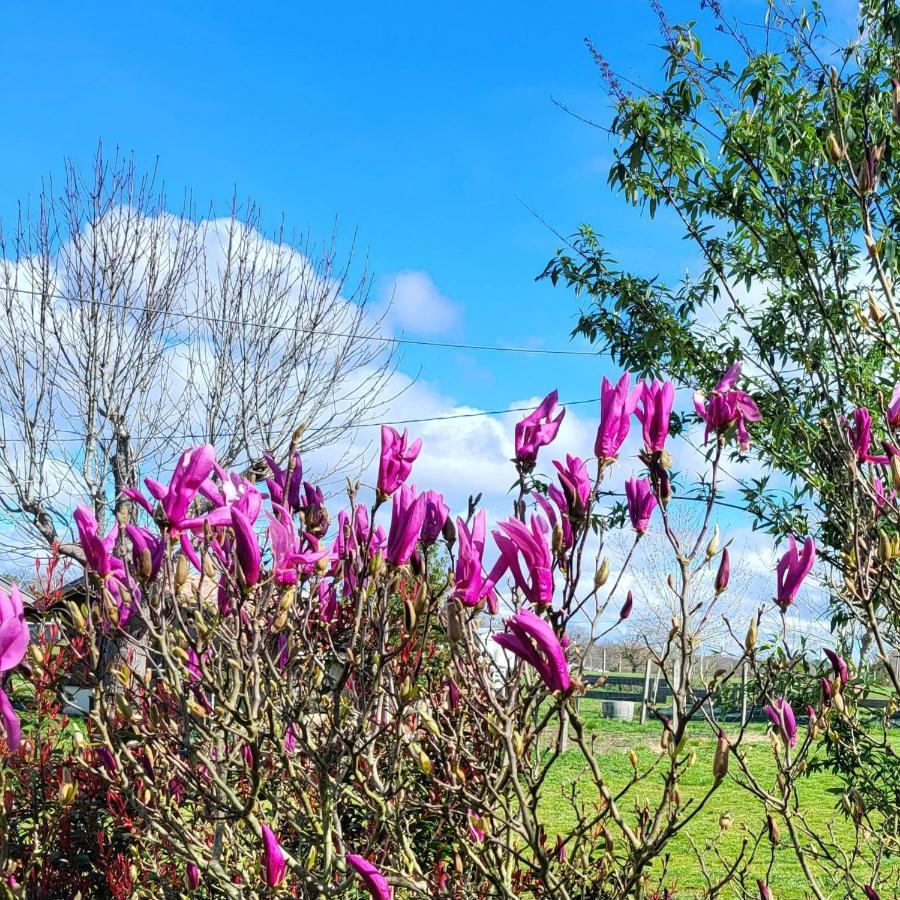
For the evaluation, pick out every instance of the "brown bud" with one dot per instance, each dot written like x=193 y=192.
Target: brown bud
x=146 y=563
x=181 y=571
x=454 y=622
x=774 y=833
x=720 y=760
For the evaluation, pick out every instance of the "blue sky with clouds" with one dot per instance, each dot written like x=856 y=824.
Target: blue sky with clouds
x=429 y=130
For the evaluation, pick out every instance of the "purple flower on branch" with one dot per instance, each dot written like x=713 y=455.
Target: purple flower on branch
x=536 y=430
x=533 y=640
x=616 y=408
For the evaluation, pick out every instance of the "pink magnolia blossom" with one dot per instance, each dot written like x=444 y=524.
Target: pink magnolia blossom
x=627 y=606
x=555 y=507
x=728 y=407
x=792 y=569
x=397 y=458
x=576 y=485
x=515 y=540
x=284 y=488
x=860 y=430
x=893 y=410
x=471 y=585
x=14 y=638
x=536 y=430
x=724 y=572
x=288 y=554
x=654 y=411
x=616 y=408
x=274 y=865
x=436 y=512
x=376 y=884
x=191 y=471
x=99 y=559
x=641 y=502
x=883 y=500
x=407 y=518
x=782 y=715
x=839 y=664
x=533 y=640
x=246 y=547
x=192 y=874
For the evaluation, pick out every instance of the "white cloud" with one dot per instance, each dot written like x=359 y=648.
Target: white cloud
x=415 y=304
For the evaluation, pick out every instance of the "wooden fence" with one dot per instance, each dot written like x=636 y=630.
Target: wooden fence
x=651 y=692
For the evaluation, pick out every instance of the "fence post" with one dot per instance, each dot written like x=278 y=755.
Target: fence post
x=604 y=660
x=645 y=701
x=743 y=695
x=676 y=681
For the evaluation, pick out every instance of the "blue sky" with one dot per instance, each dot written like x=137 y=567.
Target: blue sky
x=417 y=125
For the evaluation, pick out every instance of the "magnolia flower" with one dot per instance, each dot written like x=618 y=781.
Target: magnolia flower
x=728 y=407
x=436 y=512
x=515 y=539
x=860 y=431
x=14 y=637
x=376 y=884
x=839 y=664
x=641 y=503
x=287 y=552
x=616 y=408
x=724 y=572
x=397 y=458
x=893 y=410
x=191 y=471
x=193 y=877
x=235 y=492
x=146 y=547
x=625 y=612
x=315 y=514
x=476 y=832
x=407 y=518
x=246 y=547
x=274 y=865
x=533 y=640
x=284 y=488
x=537 y=430
x=555 y=507
x=871 y=893
x=576 y=485
x=99 y=559
x=471 y=585
x=883 y=501
x=792 y=569
x=654 y=411
x=783 y=718
x=764 y=892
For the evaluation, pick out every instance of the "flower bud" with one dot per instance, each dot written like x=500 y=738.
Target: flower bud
x=712 y=548
x=885 y=547
x=724 y=573
x=449 y=531
x=209 y=570
x=68 y=788
x=750 y=640
x=601 y=576
x=454 y=622
x=720 y=760
x=146 y=563
x=725 y=821
x=181 y=571
x=835 y=150
x=774 y=833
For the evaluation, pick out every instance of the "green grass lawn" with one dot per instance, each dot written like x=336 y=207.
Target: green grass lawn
x=819 y=795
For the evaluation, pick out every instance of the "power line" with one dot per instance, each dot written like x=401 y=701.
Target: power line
x=414 y=342
x=422 y=420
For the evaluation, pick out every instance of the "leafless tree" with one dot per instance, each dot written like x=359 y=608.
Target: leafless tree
x=130 y=332
x=655 y=605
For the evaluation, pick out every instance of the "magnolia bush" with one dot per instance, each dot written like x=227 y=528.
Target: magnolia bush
x=314 y=702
